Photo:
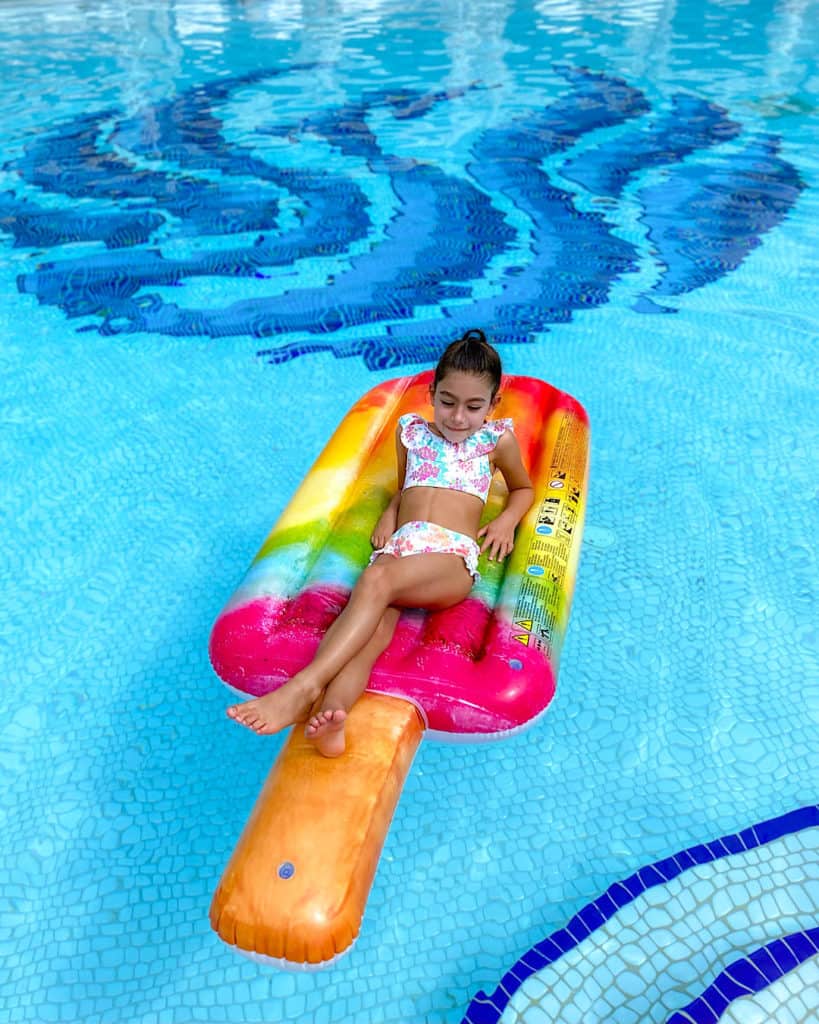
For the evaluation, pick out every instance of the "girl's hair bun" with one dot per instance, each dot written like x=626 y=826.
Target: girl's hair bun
x=474 y=336
x=471 y=353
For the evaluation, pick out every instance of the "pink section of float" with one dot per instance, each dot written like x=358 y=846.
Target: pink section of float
x=462 y=667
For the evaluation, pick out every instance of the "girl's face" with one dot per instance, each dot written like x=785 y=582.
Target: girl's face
x=460 y=404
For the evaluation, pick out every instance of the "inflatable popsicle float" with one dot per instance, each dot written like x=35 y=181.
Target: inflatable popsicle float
x=295 y=888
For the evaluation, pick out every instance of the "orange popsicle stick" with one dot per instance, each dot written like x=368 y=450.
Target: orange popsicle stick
x=297 y=883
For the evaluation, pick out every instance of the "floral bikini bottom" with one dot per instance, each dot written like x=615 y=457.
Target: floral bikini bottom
x=421 y=538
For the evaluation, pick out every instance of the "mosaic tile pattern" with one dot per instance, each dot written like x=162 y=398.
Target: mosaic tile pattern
x=438 y=246
x=141 y=469
x=631 y=953
x=794 y=999
x=796 y=956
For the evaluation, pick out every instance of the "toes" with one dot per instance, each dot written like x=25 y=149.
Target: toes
x=315 y=727
x=245 y=714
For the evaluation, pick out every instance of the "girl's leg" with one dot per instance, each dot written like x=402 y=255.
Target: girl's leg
x=326 y=727
x=302 y=694
x=429 y=581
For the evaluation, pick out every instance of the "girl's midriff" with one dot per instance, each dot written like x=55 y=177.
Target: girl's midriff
x=454 y=510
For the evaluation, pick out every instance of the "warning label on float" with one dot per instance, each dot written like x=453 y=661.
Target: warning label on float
x=542 y=594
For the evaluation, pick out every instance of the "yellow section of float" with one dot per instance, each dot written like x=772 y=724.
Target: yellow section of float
x=297 y=883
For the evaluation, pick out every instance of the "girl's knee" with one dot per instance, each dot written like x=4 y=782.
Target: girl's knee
x=375 y=583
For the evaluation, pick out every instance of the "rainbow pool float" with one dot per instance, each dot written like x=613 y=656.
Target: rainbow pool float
x=295 y=888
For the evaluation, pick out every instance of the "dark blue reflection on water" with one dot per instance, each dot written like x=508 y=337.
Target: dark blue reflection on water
x=704 y=215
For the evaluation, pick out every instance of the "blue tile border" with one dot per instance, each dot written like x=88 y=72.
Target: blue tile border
x=749 y=975
x=487 y=1009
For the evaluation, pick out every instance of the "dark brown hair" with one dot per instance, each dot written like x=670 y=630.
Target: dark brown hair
x=471 y=353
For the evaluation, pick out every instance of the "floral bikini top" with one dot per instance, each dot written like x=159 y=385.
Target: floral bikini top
x=432 y=461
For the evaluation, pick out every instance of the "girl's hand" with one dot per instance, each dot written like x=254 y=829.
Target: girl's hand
x=499 y=538
x=384 y=529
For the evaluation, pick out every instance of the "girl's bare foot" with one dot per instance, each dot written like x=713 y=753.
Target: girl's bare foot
x=327 y=729
x=274 y=711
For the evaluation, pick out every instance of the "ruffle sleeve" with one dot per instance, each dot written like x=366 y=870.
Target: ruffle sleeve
x=414 y=430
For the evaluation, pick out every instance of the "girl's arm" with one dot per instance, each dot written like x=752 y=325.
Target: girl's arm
x=499 y=534
x=385 y=527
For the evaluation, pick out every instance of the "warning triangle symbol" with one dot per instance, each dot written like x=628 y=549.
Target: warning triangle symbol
x=523 y=638
x=524 y=623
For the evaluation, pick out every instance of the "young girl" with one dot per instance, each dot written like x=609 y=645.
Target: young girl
x=426 y=541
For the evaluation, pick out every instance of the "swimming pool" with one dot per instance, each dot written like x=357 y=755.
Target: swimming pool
x=223 y=220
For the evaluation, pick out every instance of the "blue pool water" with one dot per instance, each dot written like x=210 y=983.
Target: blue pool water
x=220 y=223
